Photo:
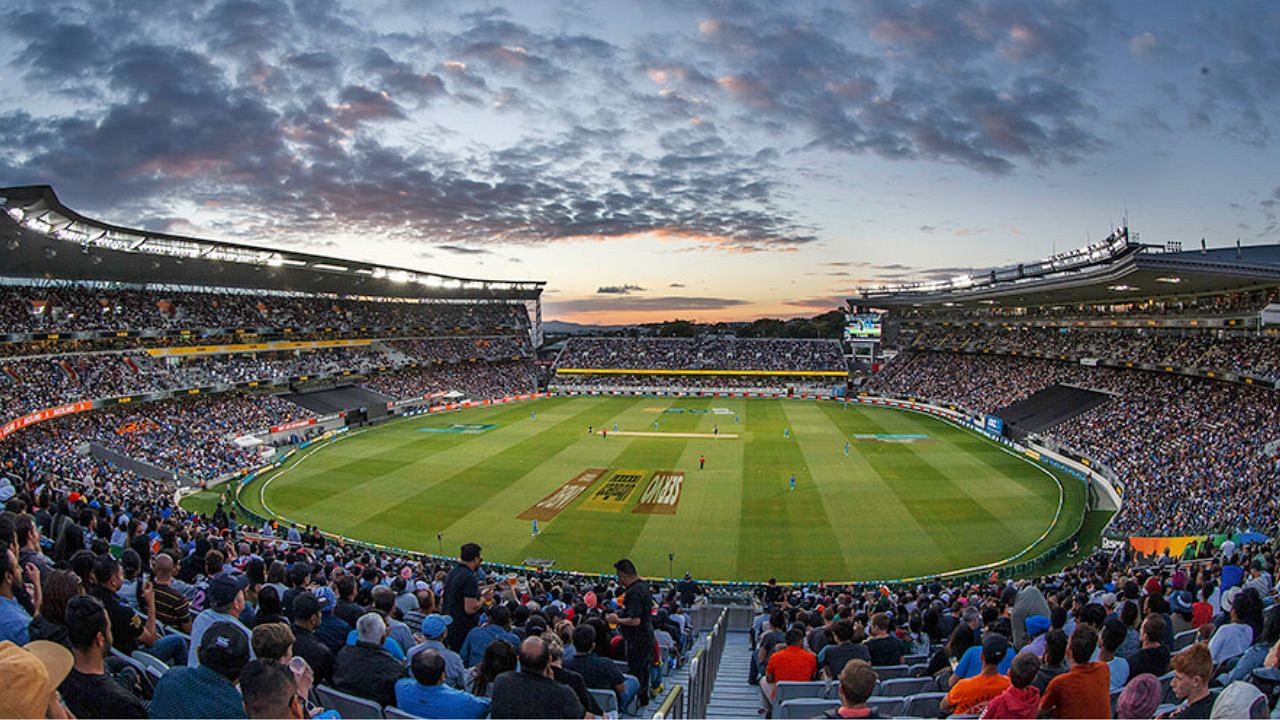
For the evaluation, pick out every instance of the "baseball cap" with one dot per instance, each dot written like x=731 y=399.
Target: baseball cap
x=433 y=625
x=1229 y=598
x=31 y=674
x=222 y=591
x=994 y=647
x=1180 y=601
x=1037 y=624
x=224 y=648
x=328 y=600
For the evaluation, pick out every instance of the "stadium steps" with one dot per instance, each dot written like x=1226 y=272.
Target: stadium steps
x=679 y=677
x=395 y=356
x=731 y=696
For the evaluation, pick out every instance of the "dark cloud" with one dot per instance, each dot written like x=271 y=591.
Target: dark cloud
x=676 y=285
x=400 y=78
x=825 y=302
x=619 y=289
x=462 y=250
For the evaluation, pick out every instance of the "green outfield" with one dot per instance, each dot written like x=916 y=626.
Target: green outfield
x=914 y=495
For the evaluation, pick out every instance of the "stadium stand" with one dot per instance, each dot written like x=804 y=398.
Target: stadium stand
x=1048 y=408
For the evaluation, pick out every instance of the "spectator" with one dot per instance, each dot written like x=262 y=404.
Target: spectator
x=1021 y=699
x=834 y=657
x=1085 y=690
x=1192 y=671
x=366 y=669
x=793 y=663
x=463 y=598
x=129 y=630
x=207 y=689
x=272 y=641
x=425 y=694
x=60 y=587
x=334 y=630
x=973 y=693
x=497 y=628
x=883 y=647
x=32 y=675
x=1139 y=699
x=14 y=619
x=599 y=672
x=1113 y=634
x=1237 y=700
x=173 y=609
x=635 y=625
x=306 y=617
x=270 y=691
x=530 y=692
x=88 y=690
x=857 y=683
x=435 y=628
x=226 y=602
x=569 y=678
x=1153 y=657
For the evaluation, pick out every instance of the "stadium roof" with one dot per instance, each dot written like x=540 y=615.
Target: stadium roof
x=42 y=238
x=1115 y=270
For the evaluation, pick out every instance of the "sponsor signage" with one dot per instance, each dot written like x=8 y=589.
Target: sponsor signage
x=42 y=415
x=662 y=495
x=551 y=505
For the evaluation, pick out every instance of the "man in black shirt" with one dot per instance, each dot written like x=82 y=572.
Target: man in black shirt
x=88 y=690
x=596 y=671
x=687 y=589
x=833 y=658
x=306 y=611
x=463 y=598
x=635 y=625
x=530 y=692
x=885 y=649
x=1153 y=658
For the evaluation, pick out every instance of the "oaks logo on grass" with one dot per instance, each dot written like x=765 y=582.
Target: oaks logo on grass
x=612 y=496
x=662 y=494
x=551 y=505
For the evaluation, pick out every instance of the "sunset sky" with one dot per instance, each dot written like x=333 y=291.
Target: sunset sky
x=658 y=158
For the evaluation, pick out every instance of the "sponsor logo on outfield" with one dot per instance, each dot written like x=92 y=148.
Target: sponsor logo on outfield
x=612 y=496
x=891 y=438
x=662 y=494
x=551 y=505
x=460 y=429
x=721 y=411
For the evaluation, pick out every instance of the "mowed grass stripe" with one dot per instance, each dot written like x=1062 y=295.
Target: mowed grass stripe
x=449 y=500
x=777 y=521
x=962 y=528
x=564 y=535
x=372 y=465
x=710 y=499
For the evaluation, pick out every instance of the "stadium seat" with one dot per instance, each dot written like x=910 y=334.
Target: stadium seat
x=923 y=705
x=1184 y=639
x=918 y=669
x=1166 y=687
x=804 y=708
x=913 y=659
x=1166 y=708
x=148 y=660
x=391 y=711
x=903 y=687
x=889 y=672
x=348 y=706
x=606 y=699
x=885 y=706
x=1115 y=695
x=788 y=690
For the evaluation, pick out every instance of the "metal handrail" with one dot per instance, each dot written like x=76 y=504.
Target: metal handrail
x=703 y=669
x=673 y=707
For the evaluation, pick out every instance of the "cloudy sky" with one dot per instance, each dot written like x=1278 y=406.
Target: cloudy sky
x=656 y=158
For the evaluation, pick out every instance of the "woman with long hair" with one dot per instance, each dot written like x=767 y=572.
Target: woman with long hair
x=498 y=658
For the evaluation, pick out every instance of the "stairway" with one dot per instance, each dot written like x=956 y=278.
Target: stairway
x=731 y=696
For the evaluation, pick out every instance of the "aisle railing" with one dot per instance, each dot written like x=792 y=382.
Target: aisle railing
x=703 y=668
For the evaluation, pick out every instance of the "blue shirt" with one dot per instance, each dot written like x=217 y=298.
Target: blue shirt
x=971 y=662
x=388 y=644
x=195 y=692
x=438 y=701
x=455 y=674
x=481 y=638
x=13 y=621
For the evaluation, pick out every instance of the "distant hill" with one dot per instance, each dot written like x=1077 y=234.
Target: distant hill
x=561 y=327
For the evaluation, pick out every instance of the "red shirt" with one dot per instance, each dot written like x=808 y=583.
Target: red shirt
x=792 y=664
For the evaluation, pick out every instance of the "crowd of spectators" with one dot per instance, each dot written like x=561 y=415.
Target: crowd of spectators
x=71 y=309
x=1254 y=354
x=475 y=380
x=701 y=353
x=584 y=382
x=36 y=383
x=1238 y=304
x=250 y=619
x=1191 y=454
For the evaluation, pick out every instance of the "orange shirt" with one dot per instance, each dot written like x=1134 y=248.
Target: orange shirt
x=1082 y=692
x=972 y=692
x=792 y=664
